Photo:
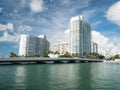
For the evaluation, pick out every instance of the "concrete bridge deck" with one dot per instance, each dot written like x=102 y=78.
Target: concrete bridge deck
x=47 y=60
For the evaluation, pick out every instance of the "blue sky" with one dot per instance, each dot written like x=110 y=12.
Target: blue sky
x=52 y=17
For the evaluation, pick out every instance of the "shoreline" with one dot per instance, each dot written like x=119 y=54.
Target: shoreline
x=47 y=60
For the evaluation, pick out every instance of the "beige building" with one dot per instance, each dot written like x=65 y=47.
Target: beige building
x=61 y=48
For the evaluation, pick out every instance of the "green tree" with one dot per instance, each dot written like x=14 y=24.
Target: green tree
x=56 y=52
x=13 y=54
x=67 y=55
x=75 y=55
x=93 y=55
x=101 y=57
x=46 y=53
x=116 y=56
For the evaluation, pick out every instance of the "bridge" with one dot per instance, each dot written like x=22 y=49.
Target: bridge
x=46 y=60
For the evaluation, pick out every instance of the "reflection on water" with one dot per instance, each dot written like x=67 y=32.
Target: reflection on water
x=82 y=76
x=63 y=76
x=20 y=77
x=106 y=76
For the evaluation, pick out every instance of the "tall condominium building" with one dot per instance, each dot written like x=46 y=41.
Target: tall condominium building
x=30 y=45
x=94 y=47
x=80 y=36
x=61 y=48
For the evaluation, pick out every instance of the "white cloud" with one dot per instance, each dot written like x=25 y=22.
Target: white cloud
x=15 y=36
x=99 y=38
x=23 y=2
x=8 y=26
x=113 y=13
x=96 y=23
x=23 y=28
x=15 y=11
x=9 y=38
x=1 y=9
x=87 y=14
x=15 y=46
x=57 y=37
x=105 y=43
x=51 y=0
x=67 y=31
x=36 y=5
x=65 y=2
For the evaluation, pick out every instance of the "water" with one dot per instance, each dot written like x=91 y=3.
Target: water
x=81 y=76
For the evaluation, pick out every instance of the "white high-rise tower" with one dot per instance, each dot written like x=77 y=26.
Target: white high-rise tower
x=80 y=36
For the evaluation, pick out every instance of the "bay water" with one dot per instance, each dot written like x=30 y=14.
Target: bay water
x=76 y=76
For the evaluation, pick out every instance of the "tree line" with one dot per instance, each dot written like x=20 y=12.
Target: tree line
x=65 y=55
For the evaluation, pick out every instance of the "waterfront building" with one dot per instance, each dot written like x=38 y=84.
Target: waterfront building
x=80 y=36
x=30 y=45
x=61 y=48
x=55 y=48
x=107 y=53
x=44 y=44
x=94 y=47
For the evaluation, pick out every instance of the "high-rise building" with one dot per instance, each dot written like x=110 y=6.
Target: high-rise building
x=44 y=44
x=94 y=47
x=61 y=48
x=80 y=36
x=30 y=45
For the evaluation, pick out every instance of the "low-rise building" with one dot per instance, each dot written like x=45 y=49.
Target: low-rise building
x=61 y=48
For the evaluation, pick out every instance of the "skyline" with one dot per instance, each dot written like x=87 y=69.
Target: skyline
x=52 y=17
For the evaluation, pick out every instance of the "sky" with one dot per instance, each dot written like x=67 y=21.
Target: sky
x=52 y=18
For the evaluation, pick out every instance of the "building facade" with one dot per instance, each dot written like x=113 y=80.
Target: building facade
x=30 y=45
x=61 y=48
x=94 y=47
x=80 y=36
